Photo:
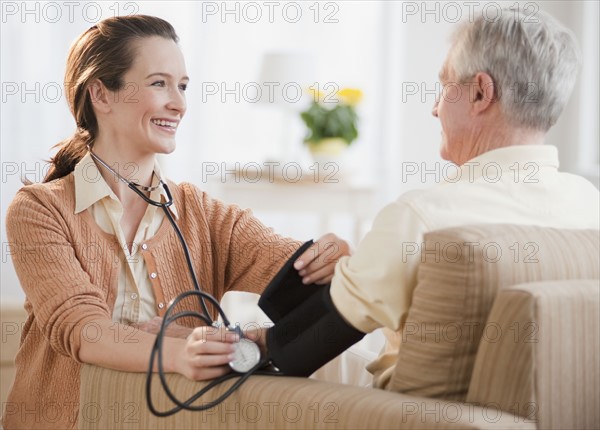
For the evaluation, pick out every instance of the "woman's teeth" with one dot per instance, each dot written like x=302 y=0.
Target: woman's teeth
x=164 y=123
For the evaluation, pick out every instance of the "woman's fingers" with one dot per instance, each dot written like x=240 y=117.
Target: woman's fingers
x=317 y=263
x=207 y=333
x=210 y=347
x=207 y=352
x=211 y=360
x=307 y=257
x=321 y=276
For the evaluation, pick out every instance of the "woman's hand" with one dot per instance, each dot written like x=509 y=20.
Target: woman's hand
x=206 y=353
x=317 y=263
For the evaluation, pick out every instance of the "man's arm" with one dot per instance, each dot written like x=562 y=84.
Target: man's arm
x=373 y=287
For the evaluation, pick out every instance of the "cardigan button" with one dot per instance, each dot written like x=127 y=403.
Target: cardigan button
x=153 y=275
x=161 y=305
x=144 y=246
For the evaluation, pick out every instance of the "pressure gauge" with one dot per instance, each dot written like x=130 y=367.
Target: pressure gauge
x=246 y=356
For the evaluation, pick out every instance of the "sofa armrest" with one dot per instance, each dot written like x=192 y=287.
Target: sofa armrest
x=541 y=357
x=112 y=399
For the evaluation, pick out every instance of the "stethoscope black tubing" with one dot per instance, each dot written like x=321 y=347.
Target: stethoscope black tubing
x=157 y=354
x=186 y=250
x=204 y=316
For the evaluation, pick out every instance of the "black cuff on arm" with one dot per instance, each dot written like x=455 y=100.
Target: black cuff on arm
x=310 y=335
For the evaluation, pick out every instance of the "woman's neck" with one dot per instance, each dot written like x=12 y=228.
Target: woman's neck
x=131 y=167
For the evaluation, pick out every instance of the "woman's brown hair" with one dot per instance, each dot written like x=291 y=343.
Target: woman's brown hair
x=104 y=52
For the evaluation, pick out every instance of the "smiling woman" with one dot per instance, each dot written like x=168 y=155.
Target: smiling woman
x=95 y=259
x=144 y=123
x=97 y=66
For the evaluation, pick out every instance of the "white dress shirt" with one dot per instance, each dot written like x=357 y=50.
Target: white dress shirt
x=513 y=185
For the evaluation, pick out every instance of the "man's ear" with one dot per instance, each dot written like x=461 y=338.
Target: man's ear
x=483 y=93
x=99 y=96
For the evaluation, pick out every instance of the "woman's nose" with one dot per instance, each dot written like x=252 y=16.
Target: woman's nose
x=177 y=101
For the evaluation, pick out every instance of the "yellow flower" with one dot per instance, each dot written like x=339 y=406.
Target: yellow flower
x=350 y=96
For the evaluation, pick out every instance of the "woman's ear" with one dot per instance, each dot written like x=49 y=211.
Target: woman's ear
x=99 y=96
x=483 y=92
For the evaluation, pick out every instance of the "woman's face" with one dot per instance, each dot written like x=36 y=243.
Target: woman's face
x=146 y=112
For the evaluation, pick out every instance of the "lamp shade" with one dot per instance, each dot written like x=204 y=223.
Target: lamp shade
x=286 y=76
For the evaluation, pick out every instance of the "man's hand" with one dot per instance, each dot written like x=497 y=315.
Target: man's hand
x=173 y=329
x=317 y=263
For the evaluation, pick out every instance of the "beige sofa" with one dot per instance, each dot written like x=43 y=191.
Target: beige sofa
x=503 y=332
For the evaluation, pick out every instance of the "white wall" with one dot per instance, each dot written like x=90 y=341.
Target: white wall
x=576 y=132
x=381 y=47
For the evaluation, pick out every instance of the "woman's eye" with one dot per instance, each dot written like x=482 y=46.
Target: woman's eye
x=183 y=87
x=158 y=84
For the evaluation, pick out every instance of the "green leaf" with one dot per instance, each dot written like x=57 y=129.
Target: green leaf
x=339 y=121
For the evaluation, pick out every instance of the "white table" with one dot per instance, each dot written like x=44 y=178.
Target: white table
x=315 y=192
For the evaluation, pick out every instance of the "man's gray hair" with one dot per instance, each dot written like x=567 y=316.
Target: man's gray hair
x=533 y=61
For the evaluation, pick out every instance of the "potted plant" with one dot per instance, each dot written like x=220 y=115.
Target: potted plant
x=331 y=121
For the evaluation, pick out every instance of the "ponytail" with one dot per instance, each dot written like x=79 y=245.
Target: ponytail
x=71 y=151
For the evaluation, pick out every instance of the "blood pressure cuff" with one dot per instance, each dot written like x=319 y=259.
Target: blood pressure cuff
x=286 y=290
x=310 y=336
x=309 y=331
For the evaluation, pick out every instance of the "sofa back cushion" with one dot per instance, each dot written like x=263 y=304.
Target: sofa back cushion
x=546 y=365
x=461 y=271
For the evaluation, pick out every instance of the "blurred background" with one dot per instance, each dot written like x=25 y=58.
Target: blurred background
x=254 y=67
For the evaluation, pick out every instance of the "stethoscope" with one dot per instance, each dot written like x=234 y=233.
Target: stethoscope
x=247 y=360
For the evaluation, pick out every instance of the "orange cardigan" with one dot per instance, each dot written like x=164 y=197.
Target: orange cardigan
x=68 y=268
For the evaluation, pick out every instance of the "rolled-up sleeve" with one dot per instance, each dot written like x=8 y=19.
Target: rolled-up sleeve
x=373 y=288
x=61 y=293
